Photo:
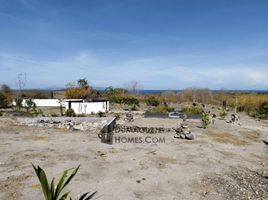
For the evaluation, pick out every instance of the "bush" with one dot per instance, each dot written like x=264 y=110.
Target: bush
x=81 y=115
x=152 y=101
x=54 y=115
x=101 y=114
x=205 y=119
x=117 y=116
x=161 y=109
x=130 y=101
x=70 y=113
x=115 y=95
x=263 y=110
x=18 y=104
x=30 y=105
x=3 y=101
x=53 y=191
x=223 y=114
x=191 y=110
x=77 y=93
x=81 y=90
x=7 y=92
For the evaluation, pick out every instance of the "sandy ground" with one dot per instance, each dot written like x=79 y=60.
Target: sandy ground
x=176 y=169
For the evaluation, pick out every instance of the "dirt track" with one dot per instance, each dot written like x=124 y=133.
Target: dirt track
x=176 y=169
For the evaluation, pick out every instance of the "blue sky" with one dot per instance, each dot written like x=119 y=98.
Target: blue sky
x=167 y=44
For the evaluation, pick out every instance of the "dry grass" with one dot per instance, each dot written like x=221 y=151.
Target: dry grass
x=36 y=138
x=251 y=135
x=226 y=138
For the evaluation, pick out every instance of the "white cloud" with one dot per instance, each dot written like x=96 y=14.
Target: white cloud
x=150 y=72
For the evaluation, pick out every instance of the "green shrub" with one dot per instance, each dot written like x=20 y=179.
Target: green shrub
x=81 y=115
x=152 y=101
x=115 y=95
x=54 y=115
x=30 y=105
x=3 y=101
x=117 y=116
x=70 y=113
x=191 y=110
x=263 y=110
x=223 y=114
x=130 y=101
x=18 y=104
x=101 y=114
x=54 y=192
x=161 y=109
x=205 y=119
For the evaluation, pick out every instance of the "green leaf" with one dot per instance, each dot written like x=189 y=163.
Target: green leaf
x=52 y=188
x=43 y=180
x=91 y=196
x=63 y=197
x=60 y=183
x=71 y=176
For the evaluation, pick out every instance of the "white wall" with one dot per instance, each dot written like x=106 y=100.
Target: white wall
x=89 y=107
x=43 y=102
x=78 y=107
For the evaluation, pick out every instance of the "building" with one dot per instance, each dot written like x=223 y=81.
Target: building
x=87 y=106
x=80 y=106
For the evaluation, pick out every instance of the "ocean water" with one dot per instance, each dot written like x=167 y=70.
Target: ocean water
x=228 y=91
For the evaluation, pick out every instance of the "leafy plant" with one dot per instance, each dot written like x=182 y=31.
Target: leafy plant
x=101 y=114
x=223 y=114
x=161 y=109
x=18 y=104
x=70 y=113
x=115 y=95
x=191 y=109
x=3 y=101
x=117 y=116
x=54 y=115
x=30 y=105
x=152 y=101
x=263 y=110
x=130 y=101
x=54 y=192
x=205 y=119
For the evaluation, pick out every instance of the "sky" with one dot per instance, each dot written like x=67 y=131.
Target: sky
x=162 y=44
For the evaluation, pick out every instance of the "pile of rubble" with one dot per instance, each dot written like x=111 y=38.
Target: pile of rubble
x=183 y=132
x=71 y=123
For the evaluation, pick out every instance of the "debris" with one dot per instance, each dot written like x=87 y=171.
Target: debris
x=183 y=132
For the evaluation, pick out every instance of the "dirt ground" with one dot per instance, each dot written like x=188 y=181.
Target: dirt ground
x=224 y=161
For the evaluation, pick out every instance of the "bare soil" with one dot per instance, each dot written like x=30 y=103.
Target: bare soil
x=224 y=161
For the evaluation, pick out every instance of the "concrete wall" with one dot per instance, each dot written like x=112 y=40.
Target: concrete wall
x=43 y=102
x=79 y=107
x=89 y=107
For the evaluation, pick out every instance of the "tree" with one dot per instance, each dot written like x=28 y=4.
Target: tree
x=133 y=86
x=81 y=90
x=83 y=83
x=115 y=94
x=7 y=92
x=3 y=100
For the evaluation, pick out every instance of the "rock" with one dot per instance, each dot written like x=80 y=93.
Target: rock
x=189 y=136
x=182 y=136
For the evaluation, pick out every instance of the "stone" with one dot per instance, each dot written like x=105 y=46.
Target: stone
x=189 y=137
